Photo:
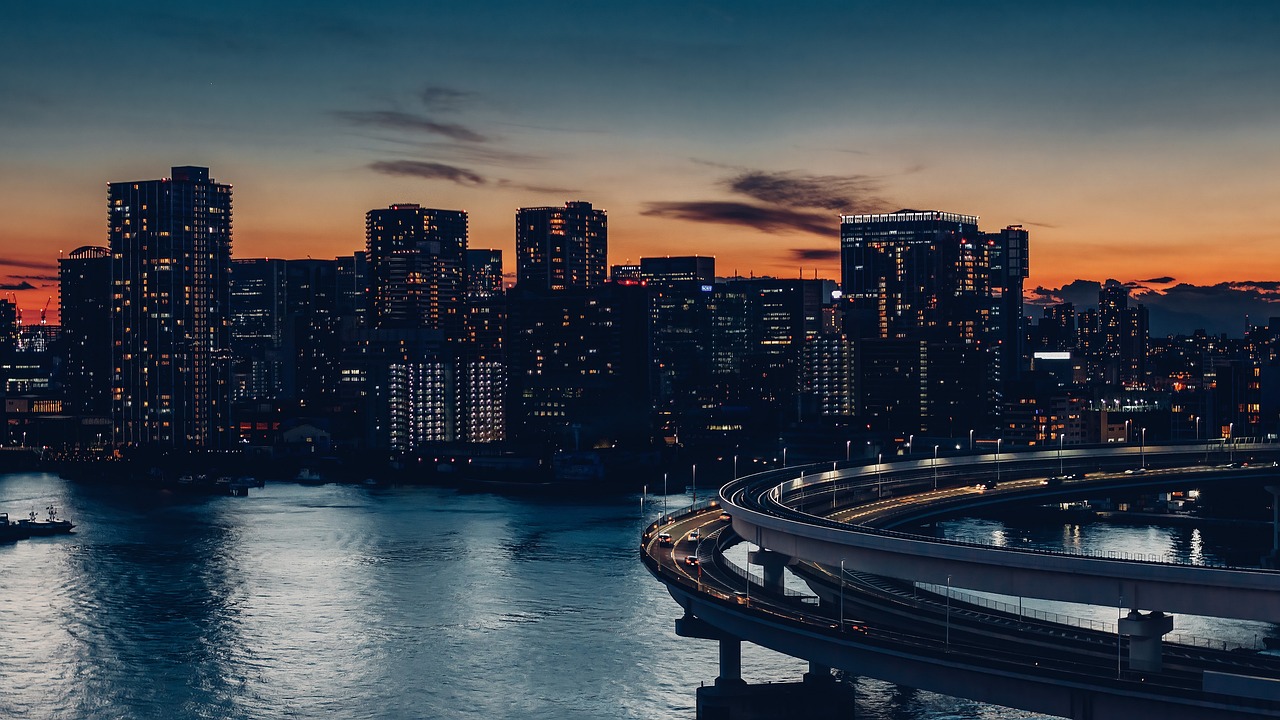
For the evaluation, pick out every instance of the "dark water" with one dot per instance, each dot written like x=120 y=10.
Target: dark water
x=353 y=602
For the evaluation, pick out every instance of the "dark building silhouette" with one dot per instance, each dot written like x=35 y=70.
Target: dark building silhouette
x=170 y=244
x=935 y=309
x=417 y=261
x=691 y=268
x=558 y=248
x=578 y=361
x=484 y=273
x=258 y=317
x=84 y=301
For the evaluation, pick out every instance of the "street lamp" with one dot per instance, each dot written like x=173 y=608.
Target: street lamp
x=1061 y=435
x=879 y=491
x=841 y=594
x=735 y=467
x=911 y=444
x=784 y=457
x=948 y=640
x=935 y=467
x=847 y=449
x=970 y=441
x=664 y=497
x=998 y=441
x=693 y=482
x=1126 y=431
x=1142 y=448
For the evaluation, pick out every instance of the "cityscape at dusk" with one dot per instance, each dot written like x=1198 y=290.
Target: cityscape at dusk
x=1135 y=141
x=713 y=360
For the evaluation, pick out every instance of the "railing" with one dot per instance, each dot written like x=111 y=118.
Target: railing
x=1084 y=623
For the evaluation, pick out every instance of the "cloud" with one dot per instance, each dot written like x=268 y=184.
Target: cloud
x=753 y=216
x=397 y=120
x=46 y=278
x=544 y=189
x=29 y=264
x=24 y=285
x=848 y=193
x=820 y=254
x=444 y=99
x=1163 y=280
x=428 y=171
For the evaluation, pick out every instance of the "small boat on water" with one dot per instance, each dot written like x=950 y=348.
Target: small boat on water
x=52 y=525
x=10 y=531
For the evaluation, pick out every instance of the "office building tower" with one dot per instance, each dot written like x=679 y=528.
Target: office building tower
x=84 y=302
x=258 y=317
x=945 y=301
x=558 y=248
x=484 y=273
x=417 y=263
x=170 y=244
x=682 y=268
x=1007 y=251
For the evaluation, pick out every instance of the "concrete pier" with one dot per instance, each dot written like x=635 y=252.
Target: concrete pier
x=822 y=700
x=773 y=563
x=1146 y=633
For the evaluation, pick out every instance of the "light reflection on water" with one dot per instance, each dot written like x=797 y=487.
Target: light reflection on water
x=351 y=602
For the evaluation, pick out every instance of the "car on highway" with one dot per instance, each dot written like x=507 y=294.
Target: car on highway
x=664 y=538
x=694 y=535
x=691 y=560
x=725 y=516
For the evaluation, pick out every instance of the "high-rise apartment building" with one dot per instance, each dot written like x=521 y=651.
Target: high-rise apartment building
x=170 y=243
x=954 y=295
x=84 y=301
x=417 y=264
x=558 y=248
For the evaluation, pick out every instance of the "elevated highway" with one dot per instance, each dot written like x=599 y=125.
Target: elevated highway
x=816 y=517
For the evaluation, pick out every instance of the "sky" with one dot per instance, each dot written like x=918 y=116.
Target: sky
x=1137 y=141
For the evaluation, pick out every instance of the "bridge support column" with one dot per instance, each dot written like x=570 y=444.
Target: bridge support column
x=730 y=662
x=1145 y=638
x=773 y=564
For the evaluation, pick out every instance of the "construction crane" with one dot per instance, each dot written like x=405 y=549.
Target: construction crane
x=45 y=309
x=13 y=298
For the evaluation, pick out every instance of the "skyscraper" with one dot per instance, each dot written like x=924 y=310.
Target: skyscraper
x=84 y=300
x=945 y=301
x=417 y=268
x=170 y=244
x=561 y=247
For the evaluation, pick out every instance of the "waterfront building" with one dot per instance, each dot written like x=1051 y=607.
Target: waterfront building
x=170 y=242
x=84 y=303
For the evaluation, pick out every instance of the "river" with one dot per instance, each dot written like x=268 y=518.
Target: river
x=356 y=602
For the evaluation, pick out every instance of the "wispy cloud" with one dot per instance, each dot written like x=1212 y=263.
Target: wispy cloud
x=29 y=264
x=428 y=171
x=24 y=285
x=444 y=99
x=766 y=219
x=403 y=121
x=852 y=193
x=819 y=254
x=43 y=278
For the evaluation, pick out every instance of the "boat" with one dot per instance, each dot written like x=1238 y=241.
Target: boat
x=10 y=531
x=307 y=476
x=51 y=525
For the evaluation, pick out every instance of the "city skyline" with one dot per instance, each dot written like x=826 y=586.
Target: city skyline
x=1132 y=144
